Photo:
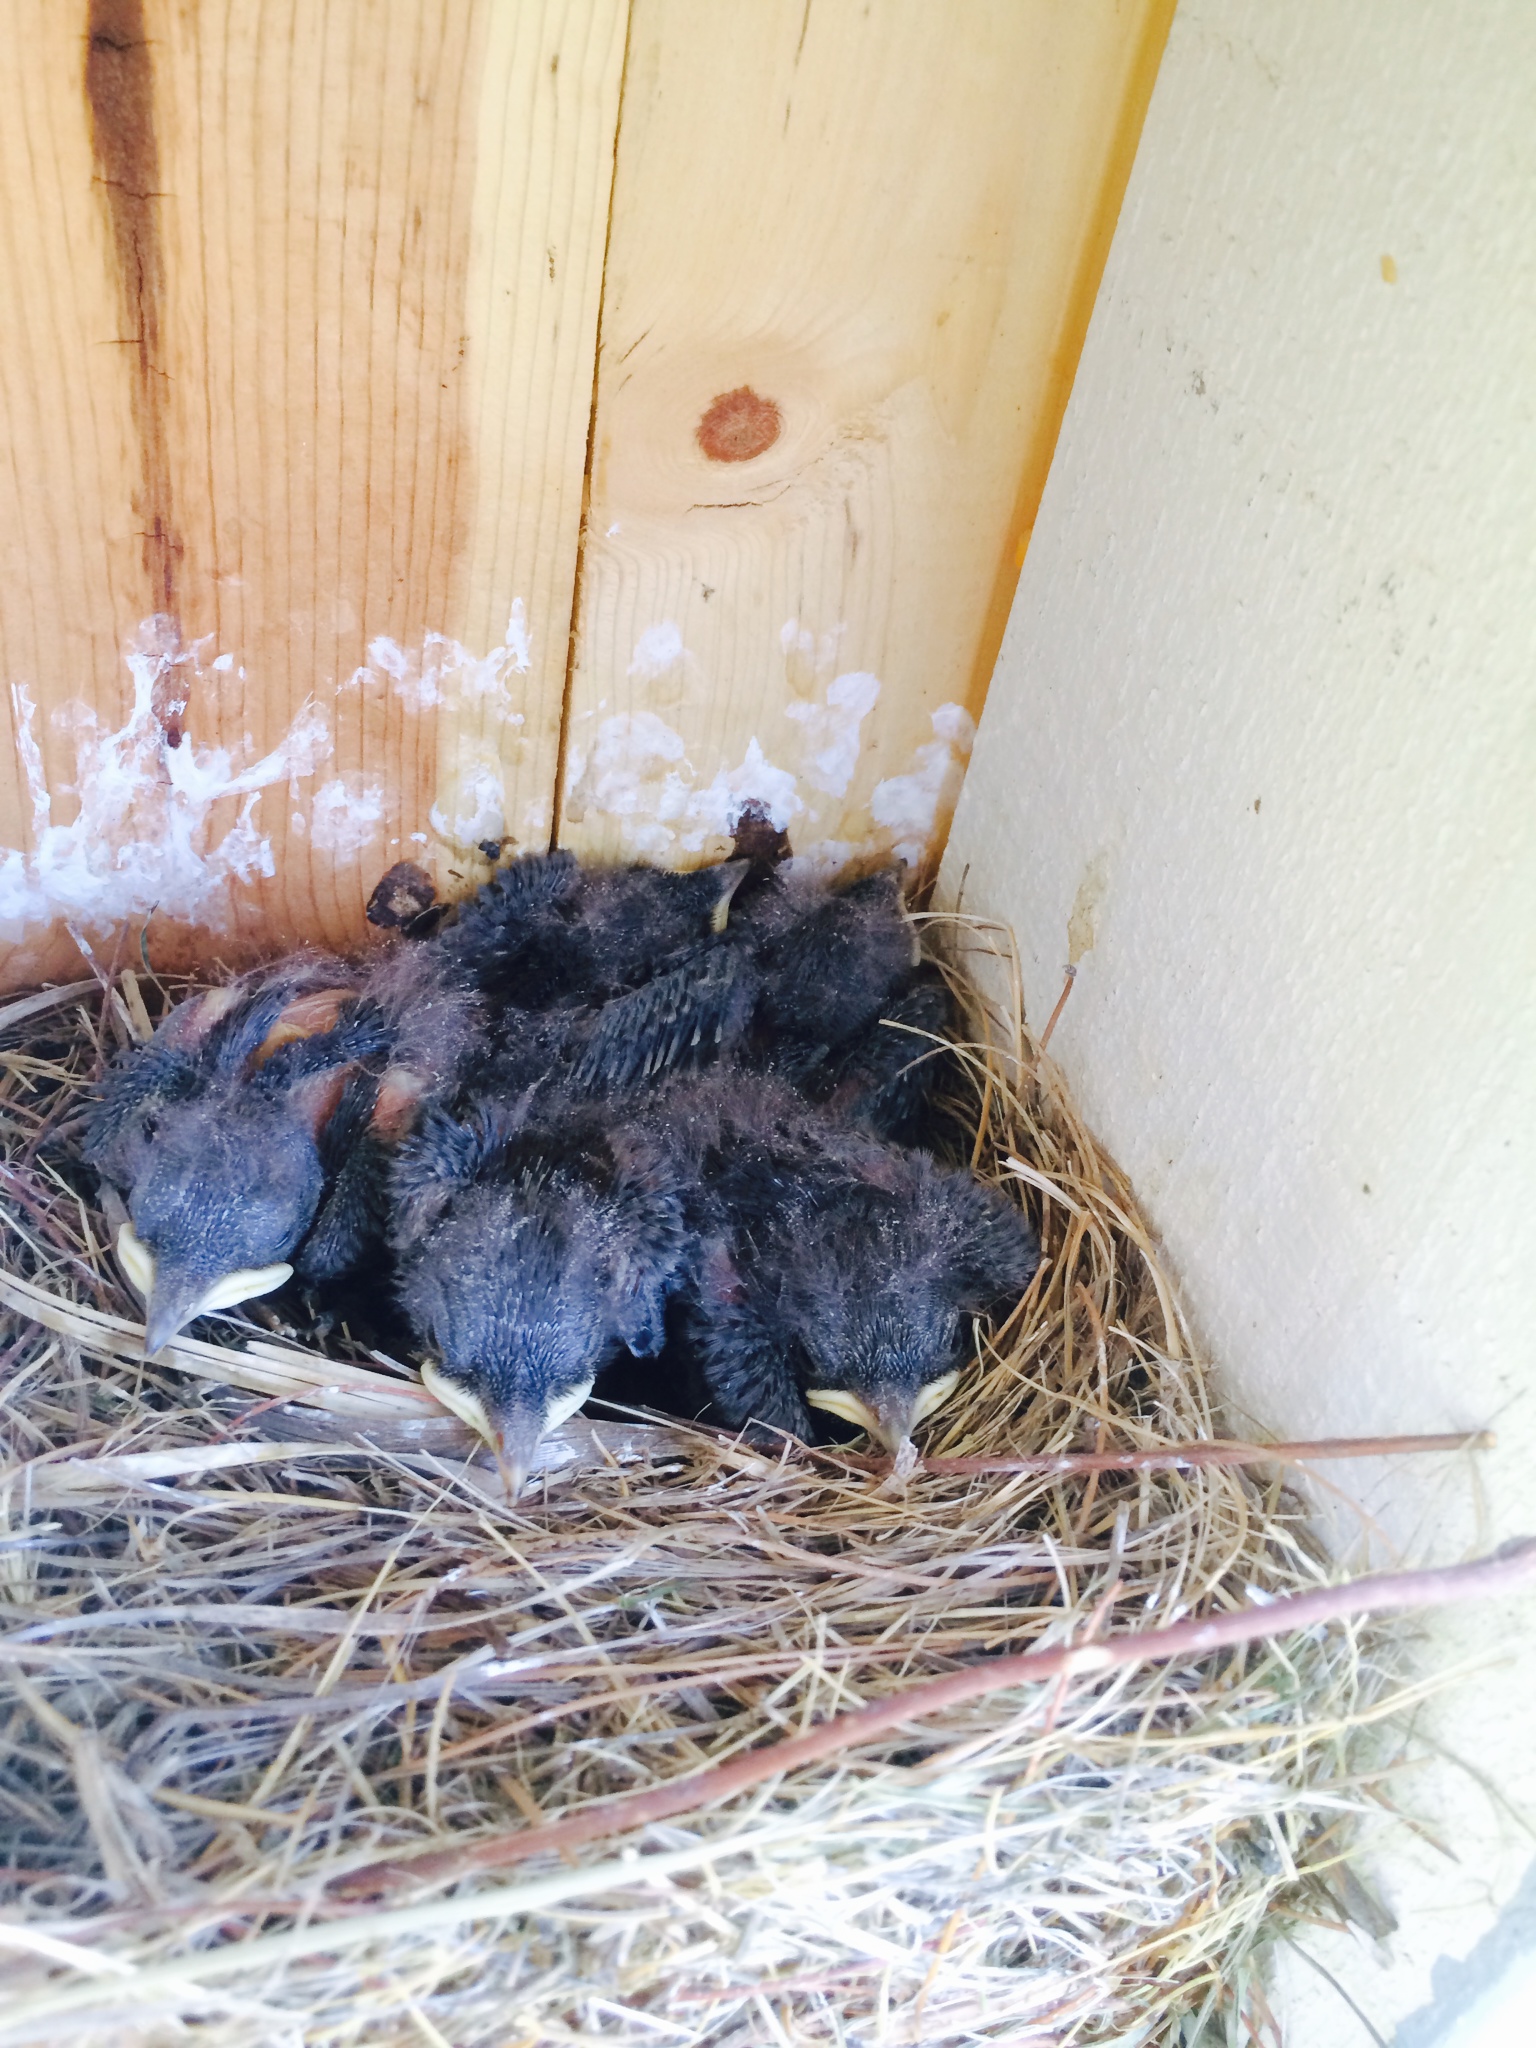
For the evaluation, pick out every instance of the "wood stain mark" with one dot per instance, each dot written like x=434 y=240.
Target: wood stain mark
x=739 y=425
x=805 y=22
x=120 y=98
x=1156 y=18
x=584 y=534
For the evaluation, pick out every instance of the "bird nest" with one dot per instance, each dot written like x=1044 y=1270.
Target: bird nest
x=310 y=1737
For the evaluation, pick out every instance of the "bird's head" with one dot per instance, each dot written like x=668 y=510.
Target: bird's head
x=527 y=1267
x=513 y=1393
x=513 y=1295
x=227 y=1184
x=900 y=1270
x=887 y=1369
x=208 y=1135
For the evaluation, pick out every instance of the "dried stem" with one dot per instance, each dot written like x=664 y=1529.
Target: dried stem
x=1218 y=1452
x=1061 y=1003
x=666 y=1615
x=1507 y=1570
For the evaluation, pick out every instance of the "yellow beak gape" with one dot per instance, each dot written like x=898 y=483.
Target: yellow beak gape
x=514 y=1443
x=835 y=1402
x=566 y=1405
x=244 y=1286
x=458 y=1400
x=934 y=1395
x=138 y=1262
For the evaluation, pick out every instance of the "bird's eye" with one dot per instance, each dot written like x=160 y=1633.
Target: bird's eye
x=149 y=1125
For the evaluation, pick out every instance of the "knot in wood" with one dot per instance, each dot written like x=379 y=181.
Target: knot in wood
x=738 y=425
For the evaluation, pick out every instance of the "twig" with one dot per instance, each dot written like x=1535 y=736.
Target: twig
x=1509 y=1568
x=27 y=1007
x=302 y=1376
x=1061 y=1004
x=164 y=1979
x=1183 y=1457
x=1186 y=1457
x=1307 y=1957
x=43 y=1222
x=107 y=976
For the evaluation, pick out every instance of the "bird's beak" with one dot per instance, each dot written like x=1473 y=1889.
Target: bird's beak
x=166 y=1312
x=516 y=1444
x=514 y=1432
x=520 y=1430
x=453 y=1395
x=892 y=1417
x=136 y=1260
x=172 y=1299
x=933 y=1396
x=732 y=875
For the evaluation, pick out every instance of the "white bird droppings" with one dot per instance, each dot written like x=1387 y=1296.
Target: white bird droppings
x=909 y=806
x=346 y=815
x=659 y=648
x=140 y=838
x=832 y=730
x=716 y=807
x=444 y=672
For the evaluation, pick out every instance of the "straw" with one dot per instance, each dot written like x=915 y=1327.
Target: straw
x=787 y=1754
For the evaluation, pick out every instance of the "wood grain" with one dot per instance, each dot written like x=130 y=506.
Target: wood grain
x=70 y=568
x=299 y=315
x=852 y=256
x=298 y=312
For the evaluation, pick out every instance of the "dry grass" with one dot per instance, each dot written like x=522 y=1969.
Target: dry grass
x=253 y=1642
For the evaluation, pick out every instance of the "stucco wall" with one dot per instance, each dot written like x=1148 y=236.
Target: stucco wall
x=1265 y=721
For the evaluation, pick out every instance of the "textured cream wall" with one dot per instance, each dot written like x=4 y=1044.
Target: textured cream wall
x=1265 y=720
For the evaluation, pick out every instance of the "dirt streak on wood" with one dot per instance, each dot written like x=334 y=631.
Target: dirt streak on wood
x=300 y=390
x=298 y=314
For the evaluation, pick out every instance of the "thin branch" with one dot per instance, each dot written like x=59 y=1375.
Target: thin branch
x=1179 y=1457
x=1510 y=1568
x=1186 y=1457
x=27 y=1007
x=1055 y=1016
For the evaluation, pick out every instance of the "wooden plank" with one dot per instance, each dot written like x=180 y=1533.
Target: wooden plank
x=298 y=310
x=69 y=552
x=853 y=251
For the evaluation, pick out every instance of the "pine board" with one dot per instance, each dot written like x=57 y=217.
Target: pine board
x=298 y=311
x=863 y=240
x=349 y=351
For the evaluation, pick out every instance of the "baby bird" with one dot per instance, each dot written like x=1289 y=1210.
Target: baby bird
x=210 y=1136
x=546 y=933
x=796 y=984
x=431 y=1029
x=600 y=976
x=830 y=960
x=243 y=1140
x=792 y=976
x=830 y=1271
x=886 y=1080
x=249 y=1140
x=532 y=1249
x=513 y=934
